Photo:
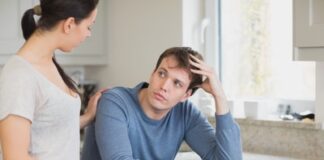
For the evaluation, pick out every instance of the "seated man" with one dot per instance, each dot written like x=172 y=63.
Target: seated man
x=151 y=120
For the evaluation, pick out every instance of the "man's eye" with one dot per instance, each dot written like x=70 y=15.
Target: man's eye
x=161 y=74
x=178 y=84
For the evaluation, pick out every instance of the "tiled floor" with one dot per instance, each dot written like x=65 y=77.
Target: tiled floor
x=246 y=156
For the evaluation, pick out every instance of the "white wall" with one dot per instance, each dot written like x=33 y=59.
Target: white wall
x=138 y=32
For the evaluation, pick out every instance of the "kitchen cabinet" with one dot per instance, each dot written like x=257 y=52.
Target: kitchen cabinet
x=11 y=37
x=308 y=30
x=91 y=52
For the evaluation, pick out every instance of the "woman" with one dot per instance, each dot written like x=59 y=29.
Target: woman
x=39 y=103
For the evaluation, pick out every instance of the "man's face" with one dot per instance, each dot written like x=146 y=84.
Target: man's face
x=168 y=85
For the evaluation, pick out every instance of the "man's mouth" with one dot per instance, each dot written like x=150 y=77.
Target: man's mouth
x=159 y=97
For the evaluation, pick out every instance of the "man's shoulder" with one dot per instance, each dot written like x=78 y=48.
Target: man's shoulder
x=119 y=100
x=187 y=108
x=121 y=95
x=123 y=92
x=118 y=89
x=117 y=92
x=185 y=105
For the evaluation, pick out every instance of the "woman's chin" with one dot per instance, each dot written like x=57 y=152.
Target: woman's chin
x=65 y=50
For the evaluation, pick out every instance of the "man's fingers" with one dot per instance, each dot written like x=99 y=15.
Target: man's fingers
x=195 y=58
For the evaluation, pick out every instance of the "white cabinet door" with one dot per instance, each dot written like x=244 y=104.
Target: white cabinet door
x=308 y=30
x=11 y=37
x=90 y=52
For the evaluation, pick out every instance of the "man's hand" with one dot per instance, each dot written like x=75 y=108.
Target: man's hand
x=211 y=84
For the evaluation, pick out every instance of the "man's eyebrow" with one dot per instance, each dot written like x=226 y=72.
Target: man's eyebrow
x=179 y=80
x=162 y=68
x=182 y=81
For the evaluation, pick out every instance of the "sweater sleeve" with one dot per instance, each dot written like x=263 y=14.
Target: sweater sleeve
x=224 y=143
x=111 y=129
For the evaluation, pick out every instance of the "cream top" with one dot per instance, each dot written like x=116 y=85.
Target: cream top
x=54 y=114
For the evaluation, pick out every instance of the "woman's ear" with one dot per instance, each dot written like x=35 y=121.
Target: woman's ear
x=68 y=25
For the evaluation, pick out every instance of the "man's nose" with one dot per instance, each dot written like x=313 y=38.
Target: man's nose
x=166 y=85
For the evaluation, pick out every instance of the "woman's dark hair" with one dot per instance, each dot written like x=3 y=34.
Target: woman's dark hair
x=51 y=12
x=181 y=54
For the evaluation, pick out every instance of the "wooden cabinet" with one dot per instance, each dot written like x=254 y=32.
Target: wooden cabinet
x=91 y=52
x=308 y=30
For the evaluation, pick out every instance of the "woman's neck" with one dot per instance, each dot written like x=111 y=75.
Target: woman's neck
x=39 y=48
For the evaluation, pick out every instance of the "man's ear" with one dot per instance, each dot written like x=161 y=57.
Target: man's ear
x=68 y=24
x=186 y=95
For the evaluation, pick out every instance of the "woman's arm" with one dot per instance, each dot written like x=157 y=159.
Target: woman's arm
x=15 y=138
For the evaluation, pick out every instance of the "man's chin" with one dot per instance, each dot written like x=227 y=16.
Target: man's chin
x=160 y=107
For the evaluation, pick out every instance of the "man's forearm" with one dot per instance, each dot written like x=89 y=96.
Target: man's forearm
x=221 y=107
x=228 y=138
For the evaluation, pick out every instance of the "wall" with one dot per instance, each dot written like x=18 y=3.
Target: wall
x=138 y=31
x=319 y=103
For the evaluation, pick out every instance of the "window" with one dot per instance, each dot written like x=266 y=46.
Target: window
x=255 y=46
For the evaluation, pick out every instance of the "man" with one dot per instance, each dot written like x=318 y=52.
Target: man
x=151 y=120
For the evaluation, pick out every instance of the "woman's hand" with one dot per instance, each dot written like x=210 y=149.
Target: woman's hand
x=90 y=111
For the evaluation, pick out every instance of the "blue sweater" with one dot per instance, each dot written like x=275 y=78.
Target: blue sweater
x=122 y=131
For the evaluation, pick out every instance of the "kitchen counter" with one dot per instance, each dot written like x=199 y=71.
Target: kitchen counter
x=246 y=156
x=280 y=123
x=275 y=122
x=279 y=138
x=282 y=138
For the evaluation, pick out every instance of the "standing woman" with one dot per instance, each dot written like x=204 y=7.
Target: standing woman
x=39 y=103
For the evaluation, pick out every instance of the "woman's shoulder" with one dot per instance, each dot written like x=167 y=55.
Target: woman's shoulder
x=15 y=63
x=16 y=69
